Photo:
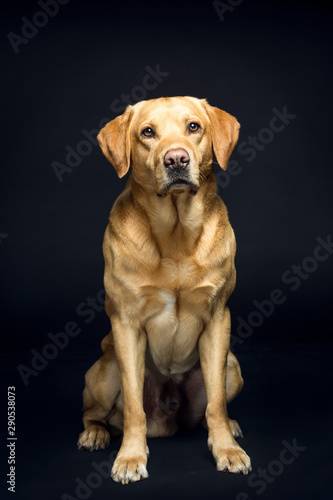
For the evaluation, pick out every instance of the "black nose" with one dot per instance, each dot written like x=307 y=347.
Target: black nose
x=176 y=159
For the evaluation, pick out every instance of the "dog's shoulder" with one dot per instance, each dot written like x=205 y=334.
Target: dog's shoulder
x=128 y=231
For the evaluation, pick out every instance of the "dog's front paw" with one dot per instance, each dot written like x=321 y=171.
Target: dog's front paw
x=233 y=459
x=128 y=470
x=94 y=438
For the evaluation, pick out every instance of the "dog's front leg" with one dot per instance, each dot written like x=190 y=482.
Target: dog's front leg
x=213 y=348
x=130 y=346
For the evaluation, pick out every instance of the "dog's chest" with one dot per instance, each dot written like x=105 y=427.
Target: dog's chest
x=174 y=327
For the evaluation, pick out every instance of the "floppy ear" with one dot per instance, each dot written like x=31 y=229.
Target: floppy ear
x=114 y=140
x=225 y=131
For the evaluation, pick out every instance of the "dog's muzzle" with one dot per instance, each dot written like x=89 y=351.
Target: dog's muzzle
x=176 y=162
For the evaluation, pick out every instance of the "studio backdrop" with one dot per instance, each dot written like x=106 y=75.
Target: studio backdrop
x=68 y=68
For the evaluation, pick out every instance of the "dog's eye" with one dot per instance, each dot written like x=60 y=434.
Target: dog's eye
x=194 y=127
x=148 y=132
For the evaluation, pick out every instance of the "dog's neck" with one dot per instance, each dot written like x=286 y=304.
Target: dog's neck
x=176 y=220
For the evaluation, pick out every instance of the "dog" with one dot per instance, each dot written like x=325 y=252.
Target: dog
x=169 y=270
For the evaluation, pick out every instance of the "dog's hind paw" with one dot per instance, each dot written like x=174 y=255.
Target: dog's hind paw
x=235 y=428
x=94 y=438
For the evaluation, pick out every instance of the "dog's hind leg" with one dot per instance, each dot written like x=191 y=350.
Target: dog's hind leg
x=234 y=381
x=99 y=397
x=234 y=384
x=194 y=389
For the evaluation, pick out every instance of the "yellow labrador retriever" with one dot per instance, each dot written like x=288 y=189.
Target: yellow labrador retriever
x=169 y=270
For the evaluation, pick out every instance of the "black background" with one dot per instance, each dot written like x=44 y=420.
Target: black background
x=262 y=56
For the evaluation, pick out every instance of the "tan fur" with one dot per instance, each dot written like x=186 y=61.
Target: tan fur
x=169 y=271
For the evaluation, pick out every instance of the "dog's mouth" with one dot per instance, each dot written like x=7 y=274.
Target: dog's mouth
x=178 y=186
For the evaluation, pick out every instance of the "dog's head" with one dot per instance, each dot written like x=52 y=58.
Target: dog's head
x=169 y=142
